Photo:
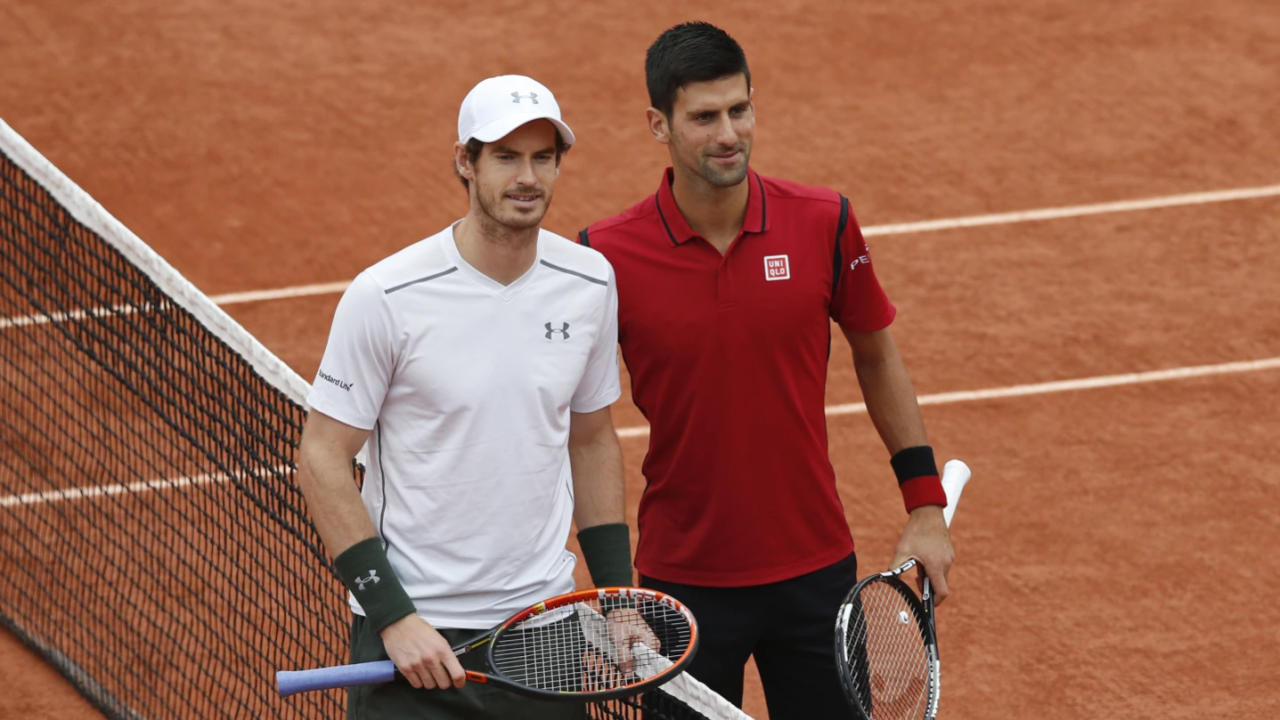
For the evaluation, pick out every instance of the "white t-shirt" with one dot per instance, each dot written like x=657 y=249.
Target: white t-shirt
x=467 y=386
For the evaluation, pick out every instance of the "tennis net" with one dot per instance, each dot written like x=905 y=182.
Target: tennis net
x=155 y=545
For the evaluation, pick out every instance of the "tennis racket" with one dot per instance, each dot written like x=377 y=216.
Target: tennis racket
x=886 y=643
x=570 y=647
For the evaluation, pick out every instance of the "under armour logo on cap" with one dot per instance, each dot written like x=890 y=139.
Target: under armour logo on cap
x=498 y=105
x=564 y=331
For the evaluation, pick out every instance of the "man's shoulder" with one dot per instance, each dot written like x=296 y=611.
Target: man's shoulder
x=636 y=221
x=566 y=255
x=411 y=264
x=814 y=196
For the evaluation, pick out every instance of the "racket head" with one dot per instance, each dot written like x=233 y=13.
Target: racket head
x=577 y=646
x=886 y=649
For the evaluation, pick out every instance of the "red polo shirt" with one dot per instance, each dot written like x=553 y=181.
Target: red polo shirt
x=728 y=361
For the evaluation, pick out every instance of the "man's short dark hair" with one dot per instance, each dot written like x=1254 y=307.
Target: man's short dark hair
x=474 y=147
x=688 y=53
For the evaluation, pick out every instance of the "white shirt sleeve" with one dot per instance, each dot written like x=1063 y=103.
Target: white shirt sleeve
x=599 y=386
x=359 y=359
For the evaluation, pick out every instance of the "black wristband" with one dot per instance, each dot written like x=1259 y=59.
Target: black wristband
x=367 y=573
x=913 y=462
x=607 y=550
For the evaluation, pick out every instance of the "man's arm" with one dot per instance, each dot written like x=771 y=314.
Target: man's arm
x=324 y=475
x=891 y=403
x=599 y=491
x=599 y=497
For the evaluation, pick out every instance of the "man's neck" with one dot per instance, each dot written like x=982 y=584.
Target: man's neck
x=715 y=213
x=496 y=250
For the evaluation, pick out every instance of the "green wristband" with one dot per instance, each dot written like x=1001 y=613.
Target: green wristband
x=367 y=573
x=607 y=550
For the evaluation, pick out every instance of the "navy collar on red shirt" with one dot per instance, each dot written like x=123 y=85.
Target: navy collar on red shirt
x=756 y=219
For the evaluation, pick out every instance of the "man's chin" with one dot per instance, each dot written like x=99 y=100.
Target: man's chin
x=523 y=220
x=725 y=178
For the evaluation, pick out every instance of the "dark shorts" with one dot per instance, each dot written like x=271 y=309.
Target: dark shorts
x=789 y=626
x=398 y=700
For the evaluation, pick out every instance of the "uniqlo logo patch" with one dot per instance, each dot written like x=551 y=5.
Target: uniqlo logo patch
x=777 y=267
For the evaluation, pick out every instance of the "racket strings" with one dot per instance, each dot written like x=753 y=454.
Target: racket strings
x=580 y=650
x=887 y=657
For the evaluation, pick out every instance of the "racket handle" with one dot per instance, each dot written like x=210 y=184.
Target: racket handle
x=289 y=682
x=955 y=475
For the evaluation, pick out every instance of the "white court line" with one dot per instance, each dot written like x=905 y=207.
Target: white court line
x=281 y=293
x=1071 y=211
x=60 y=317
x=851 y=408
x=1054 y=213
x=227 y=299
x=86 y=493
x=1046 y=388
x=1215 y=196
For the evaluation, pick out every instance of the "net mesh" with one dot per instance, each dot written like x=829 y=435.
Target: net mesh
x=154 y=542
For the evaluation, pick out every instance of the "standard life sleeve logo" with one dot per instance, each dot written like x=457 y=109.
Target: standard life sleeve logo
x=331 y=379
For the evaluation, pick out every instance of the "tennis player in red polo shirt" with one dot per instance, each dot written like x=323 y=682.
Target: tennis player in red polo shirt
x=727 y=282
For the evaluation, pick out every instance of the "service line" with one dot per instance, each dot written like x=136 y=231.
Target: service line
x=1007 y=218
x=1045 y=388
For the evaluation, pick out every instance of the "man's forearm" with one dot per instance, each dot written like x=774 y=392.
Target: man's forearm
x=325 y=478
x=891 y=403
x=599 y=485
x=335 y=505
x=599 y=499
x=889 y=395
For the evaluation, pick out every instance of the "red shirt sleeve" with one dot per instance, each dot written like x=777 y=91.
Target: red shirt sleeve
x=858 y=302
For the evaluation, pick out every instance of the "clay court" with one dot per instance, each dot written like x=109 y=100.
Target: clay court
x=1091 y=320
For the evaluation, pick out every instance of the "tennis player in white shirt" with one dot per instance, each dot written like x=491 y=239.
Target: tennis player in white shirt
x=476 y=369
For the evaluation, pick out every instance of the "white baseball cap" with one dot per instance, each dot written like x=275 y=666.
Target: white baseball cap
x=498 y=105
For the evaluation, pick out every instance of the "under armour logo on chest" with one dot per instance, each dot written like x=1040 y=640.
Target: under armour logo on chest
x=517 y=97
x=564 y=331
x=372 y=579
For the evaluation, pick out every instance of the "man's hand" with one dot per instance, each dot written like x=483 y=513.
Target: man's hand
x=626 y=628
x=422 y=654
x=925 y=538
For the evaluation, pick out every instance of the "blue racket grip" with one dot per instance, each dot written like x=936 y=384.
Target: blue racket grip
x=289 y=682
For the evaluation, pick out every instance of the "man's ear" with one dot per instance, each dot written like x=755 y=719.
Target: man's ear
x=462 y=163
x=659 y=125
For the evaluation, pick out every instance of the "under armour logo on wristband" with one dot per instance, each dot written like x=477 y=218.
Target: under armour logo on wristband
x=373 y=579
x=532 y=97
x=564 y=331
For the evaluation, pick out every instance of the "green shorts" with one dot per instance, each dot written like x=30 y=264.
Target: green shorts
x=398 y=700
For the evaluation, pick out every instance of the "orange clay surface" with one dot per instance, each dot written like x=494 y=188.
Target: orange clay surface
x=1117 y=547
